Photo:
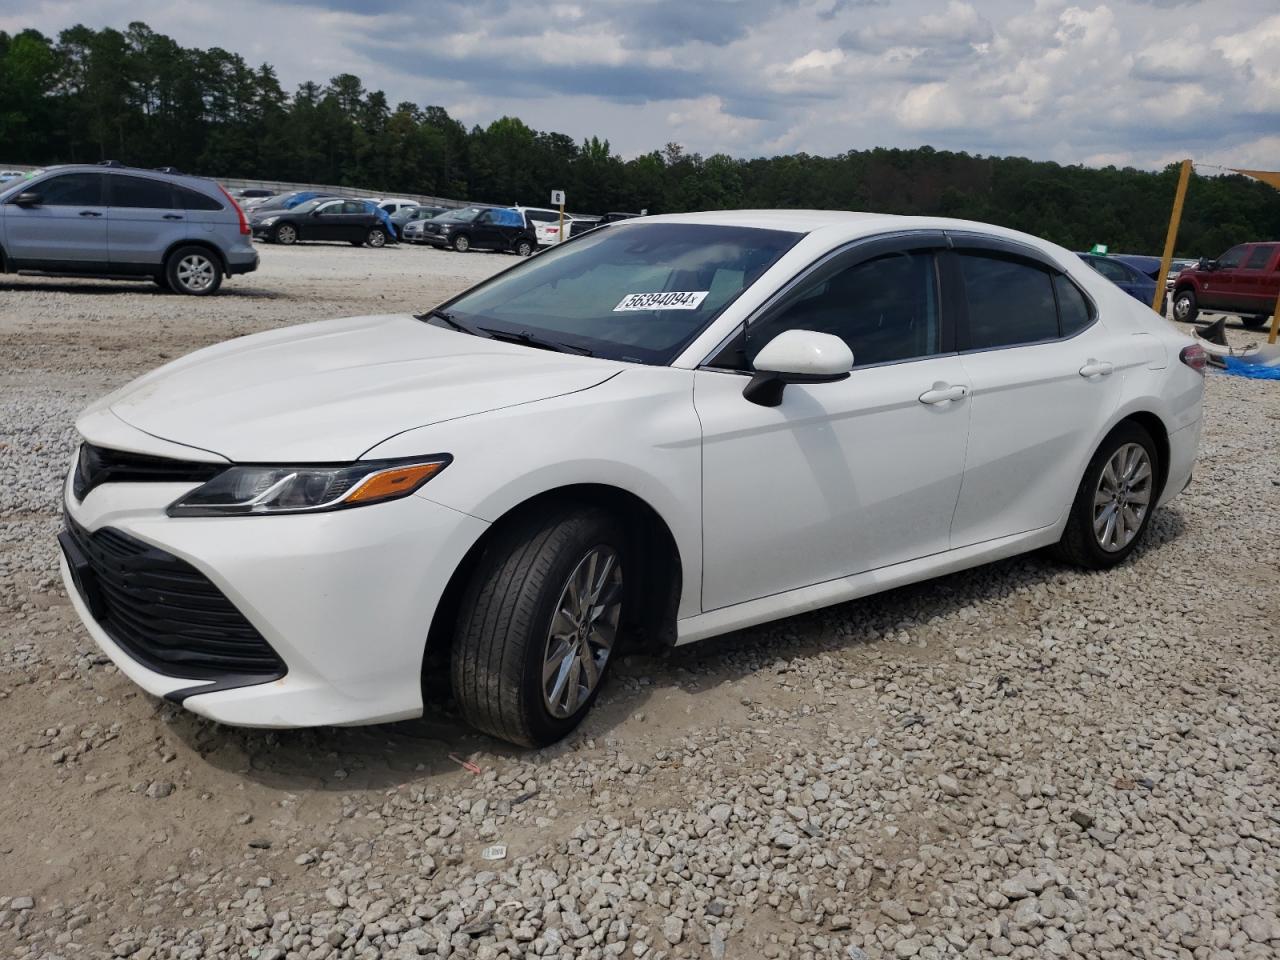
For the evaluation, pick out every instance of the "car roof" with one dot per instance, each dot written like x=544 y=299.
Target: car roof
x=186 y=179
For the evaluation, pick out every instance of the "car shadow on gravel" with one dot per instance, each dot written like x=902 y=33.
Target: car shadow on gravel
x=122 y=287
x=394 y=754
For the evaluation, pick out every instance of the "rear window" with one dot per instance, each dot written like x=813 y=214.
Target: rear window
x=141 y=192
x=1260 y=256
x=195 y=200
x=1010 y=302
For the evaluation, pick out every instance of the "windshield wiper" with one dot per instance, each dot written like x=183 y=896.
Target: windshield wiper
x=451 y=320
x=531 y=340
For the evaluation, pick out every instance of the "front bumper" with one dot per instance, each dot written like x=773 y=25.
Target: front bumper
x=435 y=239
x=344 y=598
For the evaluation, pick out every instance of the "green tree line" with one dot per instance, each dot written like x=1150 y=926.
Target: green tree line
x=139 y=97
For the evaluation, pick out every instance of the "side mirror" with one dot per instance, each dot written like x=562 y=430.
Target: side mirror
x=797 y=356
x=1209 y=265
x=28 y=198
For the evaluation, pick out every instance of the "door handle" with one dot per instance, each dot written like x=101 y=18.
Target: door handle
x=90 y=213
x=944 y=393
x=1096 y=368
x=173 y=216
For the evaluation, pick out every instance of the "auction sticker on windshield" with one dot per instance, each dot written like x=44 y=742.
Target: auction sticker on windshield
x=668 y=300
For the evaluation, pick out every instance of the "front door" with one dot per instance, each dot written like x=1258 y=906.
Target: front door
x=1221 y=291
x=145 y=218
x=844 y=477
x=65 y=230
x=1045 y=376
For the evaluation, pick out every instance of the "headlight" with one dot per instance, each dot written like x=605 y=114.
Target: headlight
x=256 y=490
x=267 y=221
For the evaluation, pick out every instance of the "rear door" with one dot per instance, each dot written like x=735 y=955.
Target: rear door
x=67 y=229
x=1257 y=282
x=1045 y=376
x=145 y=217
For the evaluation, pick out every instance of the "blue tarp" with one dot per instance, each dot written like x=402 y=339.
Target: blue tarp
x=1255 y=371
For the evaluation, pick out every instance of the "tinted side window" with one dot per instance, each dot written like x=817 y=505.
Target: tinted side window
x=542 y=216
x=141 y=192
x=1113 y=271
x=885 y=309
x=71 y=190
x=1010 y=302
x=1232 y=257
x=352 y=206
x=194 y=200
x=1260 y=256
x=1073 y=309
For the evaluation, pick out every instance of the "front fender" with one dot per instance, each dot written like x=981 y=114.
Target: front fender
x=637 y=432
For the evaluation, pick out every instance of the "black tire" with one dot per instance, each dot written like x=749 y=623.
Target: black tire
x=193 y=271
x=1256 y=322
x=523 y=248
x=285 y=233
x=1080 y=545
x=502 y=634
x=1185 y=307
x=461 y=243
x=376 y=238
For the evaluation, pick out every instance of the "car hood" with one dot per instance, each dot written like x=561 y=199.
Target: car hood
x=330 y=391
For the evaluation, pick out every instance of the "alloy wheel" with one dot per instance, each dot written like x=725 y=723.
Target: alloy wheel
x=377 y=238
x=1181 y=308
x=195 y=272
x=286 y=234
x=1122 y=498
x=582 y=633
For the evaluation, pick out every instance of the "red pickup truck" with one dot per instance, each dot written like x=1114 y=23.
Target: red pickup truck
x=1245 y=281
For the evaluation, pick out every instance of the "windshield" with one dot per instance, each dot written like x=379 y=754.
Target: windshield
x=639 y=292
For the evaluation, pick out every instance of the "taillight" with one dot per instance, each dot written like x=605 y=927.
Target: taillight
x=244 y=224
x=1194 y=357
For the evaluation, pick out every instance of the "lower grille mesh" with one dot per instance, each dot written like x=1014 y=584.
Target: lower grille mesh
x=166 y=614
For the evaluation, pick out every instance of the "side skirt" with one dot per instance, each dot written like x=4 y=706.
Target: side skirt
x=829 y=592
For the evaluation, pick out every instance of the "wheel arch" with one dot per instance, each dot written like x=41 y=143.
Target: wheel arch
x=1154 y=426
x=661 y=568
x=204 y=244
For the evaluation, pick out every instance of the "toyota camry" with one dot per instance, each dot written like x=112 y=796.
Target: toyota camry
x=670 y=429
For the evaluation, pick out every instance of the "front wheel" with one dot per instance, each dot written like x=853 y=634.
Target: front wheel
x=1255 y=322
x=285 y=233
x=194 y=271
x=538 y=625
x=462 y=243
x=377 y=237
x=1114 y=502
x=1185 y=309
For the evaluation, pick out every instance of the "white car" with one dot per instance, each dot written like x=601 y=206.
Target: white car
x=545 y=223
x=667 y=430
x=393 y=204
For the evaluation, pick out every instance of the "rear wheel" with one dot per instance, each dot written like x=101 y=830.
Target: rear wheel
x=523 y=248
x=285 y=233
x=377 y=237
x=1254 y=323
x=1185 y=309
x=462 y=243
x=1113 y=504
x=539 y=624
x=194 y=271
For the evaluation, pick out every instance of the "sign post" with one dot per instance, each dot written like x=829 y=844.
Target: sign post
x=1171 y=237
x=557 y=199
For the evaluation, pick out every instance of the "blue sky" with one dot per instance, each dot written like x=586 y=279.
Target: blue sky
x=1136 y=82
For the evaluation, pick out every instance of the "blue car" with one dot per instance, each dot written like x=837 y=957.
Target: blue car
x=1128 y=278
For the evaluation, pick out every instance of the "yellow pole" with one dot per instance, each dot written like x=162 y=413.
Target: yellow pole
x=1275 y=322
x=1172 y=236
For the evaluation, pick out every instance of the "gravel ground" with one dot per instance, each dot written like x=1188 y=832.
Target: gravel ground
x=1020 y=760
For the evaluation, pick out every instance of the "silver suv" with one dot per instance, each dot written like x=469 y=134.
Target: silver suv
x=123 y=223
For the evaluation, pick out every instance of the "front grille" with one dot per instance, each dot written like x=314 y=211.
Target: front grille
x=96 y=465
x=164 y=612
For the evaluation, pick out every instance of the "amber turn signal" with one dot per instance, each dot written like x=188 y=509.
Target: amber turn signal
x=395 y=482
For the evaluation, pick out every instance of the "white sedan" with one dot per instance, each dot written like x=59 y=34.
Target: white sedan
x=666 y=430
